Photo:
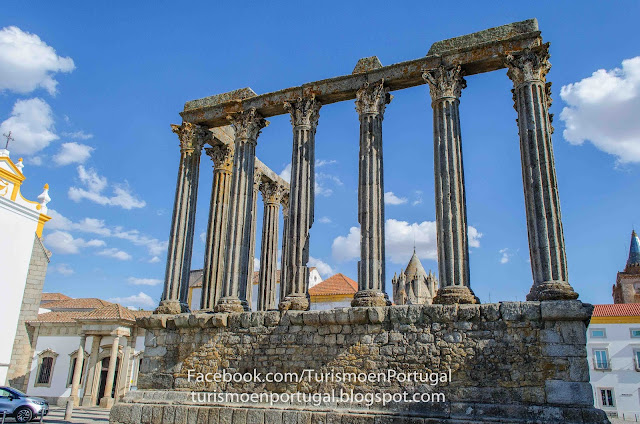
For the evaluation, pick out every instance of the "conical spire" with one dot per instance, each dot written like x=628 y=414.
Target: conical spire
x=634 y=252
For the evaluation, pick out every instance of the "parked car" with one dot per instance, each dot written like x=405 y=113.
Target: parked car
x=22 y=407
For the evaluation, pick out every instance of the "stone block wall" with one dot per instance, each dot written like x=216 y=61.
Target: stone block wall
x=517 y=361
x=22 y=352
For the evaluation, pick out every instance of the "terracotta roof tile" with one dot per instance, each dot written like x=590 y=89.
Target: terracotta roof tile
x=617 y=310
x=50 y=297
x=336 y=284
x=110 y=312
x=65 y=316
x=82 y=303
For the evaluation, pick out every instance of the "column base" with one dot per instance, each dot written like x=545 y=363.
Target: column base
x=231 y=304
x=455 y=294
x=106 y=402
x=171 y=307
x=87 y=401
x=370 y=298
x=75 y=399
x=552 y=290
x=295 y=302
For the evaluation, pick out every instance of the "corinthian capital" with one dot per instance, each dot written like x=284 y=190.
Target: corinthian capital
x=222 y=156
x=305 y=112
x=445 y=82
x=192 y=136
x=272 y=192
x=372 y=99
x=528 y=65
x=248 y=124
x=285 y=203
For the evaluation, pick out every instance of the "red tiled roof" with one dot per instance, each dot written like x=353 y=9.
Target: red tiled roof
x=82 y=303
x=50 y=297
x=65 y=316
x=110 y=312
x=617 y=310
x=336 y=284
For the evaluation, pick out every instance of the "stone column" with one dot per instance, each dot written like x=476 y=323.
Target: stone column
x=528 y=71
x=257 y=178
x=371 y=101
x=304 y=119
x=77 y=371
x=176 y=284
x=272 y=193
x=122 y=382
x=285 y=246
x=446 y=84
x=248 y=125
x=107 y=400
x=213 y=273
x=89 y=395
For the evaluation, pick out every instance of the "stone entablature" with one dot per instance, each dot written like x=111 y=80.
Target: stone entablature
x=542 y=343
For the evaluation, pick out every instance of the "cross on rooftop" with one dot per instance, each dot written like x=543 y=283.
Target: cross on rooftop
x=9 y=138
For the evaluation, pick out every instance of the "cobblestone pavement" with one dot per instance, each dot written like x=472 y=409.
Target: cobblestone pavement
x=80 y=416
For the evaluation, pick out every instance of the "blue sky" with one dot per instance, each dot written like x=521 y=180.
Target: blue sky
x=90 y=90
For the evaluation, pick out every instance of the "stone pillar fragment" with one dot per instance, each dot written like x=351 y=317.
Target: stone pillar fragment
x=213 y=274
x=371 y=101
x=257 y=178
x=528 y=70
x=285 y=246
x=176 y=284
x=304 y=119
x=107 y=400
x=248 y=125
x=77 y=371
x=89 y=396
x=272 y=193
x=446 y=84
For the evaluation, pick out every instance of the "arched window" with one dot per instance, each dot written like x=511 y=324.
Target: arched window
x=46 y=362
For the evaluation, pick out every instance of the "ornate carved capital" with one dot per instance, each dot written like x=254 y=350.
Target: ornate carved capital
x=372 y=99
x=445 y=82
x=248 y=124
x=222 y=156
x=305 y=112
x=192 y=136
x=528 y=65
x=285 y=203
x=257 y=179
x=272 y=192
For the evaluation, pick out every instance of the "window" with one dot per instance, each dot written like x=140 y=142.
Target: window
x=598 y=333
x=601 y=360
x=46 y=362
x=72 y=368
x=606 y=397
x=636 y=356
x=635 y=333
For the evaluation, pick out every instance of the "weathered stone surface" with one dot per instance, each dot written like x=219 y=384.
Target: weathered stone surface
x=568 y=393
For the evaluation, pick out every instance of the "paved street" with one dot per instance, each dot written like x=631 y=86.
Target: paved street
x=80 y=416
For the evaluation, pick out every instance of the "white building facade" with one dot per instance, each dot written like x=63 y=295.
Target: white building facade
x=23 y=263
x=613 y=349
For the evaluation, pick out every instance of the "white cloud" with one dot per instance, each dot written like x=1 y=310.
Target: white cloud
x=27 y=62
x=203 y=236
x=79 y=135
x=323 y=268
x=72 y=153
x=400 y=237
x=154 y=246
x=35 y=160
x=31 y=126
x=418 y=198
x=604 y=110
x=256 y=264
x=95 y=184
x=63 y=269
x=392 y=199
x=285 y=174
x=144 y=281
x=64 y=243
x=321 y=163
x=154 y=260
x=141 y=299
x=112 y=252
x=506 y=256
x=325 y=220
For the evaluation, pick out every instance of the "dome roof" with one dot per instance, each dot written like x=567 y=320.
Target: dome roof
x=414 y=268
x=634 y=253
